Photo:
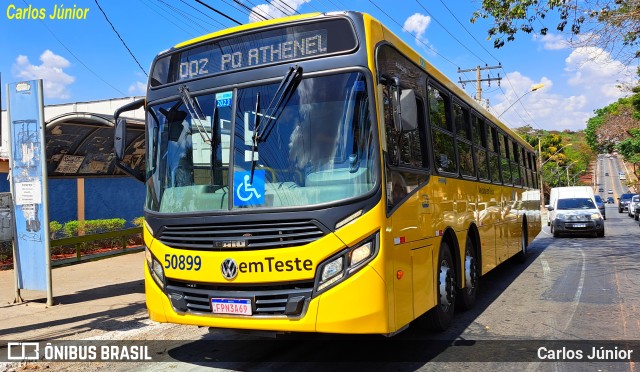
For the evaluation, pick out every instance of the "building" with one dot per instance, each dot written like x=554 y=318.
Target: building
x=83 y=181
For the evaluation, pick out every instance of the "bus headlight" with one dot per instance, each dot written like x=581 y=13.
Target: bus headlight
x=332 y=269
x=339 y=267
x=359 y=254
x=155 y=268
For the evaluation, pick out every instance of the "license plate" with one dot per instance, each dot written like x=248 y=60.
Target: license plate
x=235 y=306
x=579 y=225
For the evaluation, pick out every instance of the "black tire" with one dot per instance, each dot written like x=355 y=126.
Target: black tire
x=635 y=217
x=439 y=318
x=469 y=293
x=553 y=231
x=601 y=234
x=524 y=243
x=619 y=210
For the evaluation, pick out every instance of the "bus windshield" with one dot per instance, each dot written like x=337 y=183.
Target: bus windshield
x=575 y=203
x=320 y=148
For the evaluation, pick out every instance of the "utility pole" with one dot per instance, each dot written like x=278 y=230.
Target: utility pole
x=479 y=79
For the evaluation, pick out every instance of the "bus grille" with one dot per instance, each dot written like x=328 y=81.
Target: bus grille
x=266 y=300
x=244 y=236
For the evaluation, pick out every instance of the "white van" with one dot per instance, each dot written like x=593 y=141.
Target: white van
x=574 y=210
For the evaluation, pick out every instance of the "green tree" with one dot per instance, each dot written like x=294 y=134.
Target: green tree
x=609 y=24
x=630 y=149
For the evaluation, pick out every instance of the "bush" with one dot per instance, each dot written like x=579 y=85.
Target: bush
x=138 y=221
x=55 y=228
x=72 y=228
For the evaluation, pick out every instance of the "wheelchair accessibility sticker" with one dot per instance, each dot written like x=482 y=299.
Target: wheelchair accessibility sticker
x=247 y=193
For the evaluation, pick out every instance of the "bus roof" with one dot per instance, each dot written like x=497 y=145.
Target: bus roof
x=448 y=83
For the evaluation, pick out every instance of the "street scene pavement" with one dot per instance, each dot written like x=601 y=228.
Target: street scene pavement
x=90 y=299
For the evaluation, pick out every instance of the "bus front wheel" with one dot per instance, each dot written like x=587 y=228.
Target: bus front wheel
x=439 y=318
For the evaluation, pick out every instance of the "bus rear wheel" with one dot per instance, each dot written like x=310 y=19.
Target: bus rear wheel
x=439 y=318
x=469 y=293
x=524 y=243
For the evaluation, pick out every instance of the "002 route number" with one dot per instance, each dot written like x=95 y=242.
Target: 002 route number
x=182 y=262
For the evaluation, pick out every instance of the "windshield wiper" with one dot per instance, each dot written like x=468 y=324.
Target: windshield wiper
x=283 y=94
x=193 y=107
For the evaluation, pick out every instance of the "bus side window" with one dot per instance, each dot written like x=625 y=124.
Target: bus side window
x=444 y=153
x=412 y=143
x=494 y=161
x=463 y=140
x=479 y=136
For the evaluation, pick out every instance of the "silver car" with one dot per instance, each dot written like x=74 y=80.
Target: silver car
x=635 y=200
x=577 y=216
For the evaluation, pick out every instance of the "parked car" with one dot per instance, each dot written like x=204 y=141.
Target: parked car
x=631 y=209
x=610 y=191
x=636 y=214
x=623 y=202
x=601 y=189
x=606 y=174
x=600 y=205
x=610 y=200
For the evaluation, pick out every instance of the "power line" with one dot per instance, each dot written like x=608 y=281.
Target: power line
x=470 y=34
x=273 y=4
x=120 y=37
x=183 y=14
x=521 y=104
x=168 y=19
x=450 y=34
x=334 y=4
x=192 y=18
x=251 y=11
x=217 y=11
x=410 y=33
x=235 y=7
x=203 y=13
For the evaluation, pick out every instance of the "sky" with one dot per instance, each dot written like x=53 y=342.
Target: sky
x=83 y=59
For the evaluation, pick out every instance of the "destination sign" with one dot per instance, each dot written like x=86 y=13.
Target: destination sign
x=310 y=40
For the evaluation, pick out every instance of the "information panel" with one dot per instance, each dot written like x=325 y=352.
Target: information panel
x=28 y=184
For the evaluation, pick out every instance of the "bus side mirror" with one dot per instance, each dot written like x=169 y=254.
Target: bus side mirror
x=409 y=117
x=405 y=110
x=120 y=139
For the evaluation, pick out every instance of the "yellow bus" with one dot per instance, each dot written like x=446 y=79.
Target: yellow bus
x=315 y=174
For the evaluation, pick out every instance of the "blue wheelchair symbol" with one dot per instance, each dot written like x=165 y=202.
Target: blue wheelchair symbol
x=247 y=193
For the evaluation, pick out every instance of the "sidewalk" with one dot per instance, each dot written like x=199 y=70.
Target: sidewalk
x=89 y=299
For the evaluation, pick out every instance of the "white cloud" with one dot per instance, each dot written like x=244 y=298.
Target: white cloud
x=592 y=83
x=552 y=111
x=417 y=24
x=138 y=88
x=552 y=41
x=593 y=70
x=276 y=9
x=56 y=81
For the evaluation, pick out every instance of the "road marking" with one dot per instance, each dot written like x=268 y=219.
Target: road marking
x=576 y=297
x=545 y=268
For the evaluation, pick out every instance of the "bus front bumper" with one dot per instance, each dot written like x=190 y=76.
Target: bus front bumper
x=358 y=305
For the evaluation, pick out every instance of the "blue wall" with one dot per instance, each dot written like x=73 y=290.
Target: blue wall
x=117 y=197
